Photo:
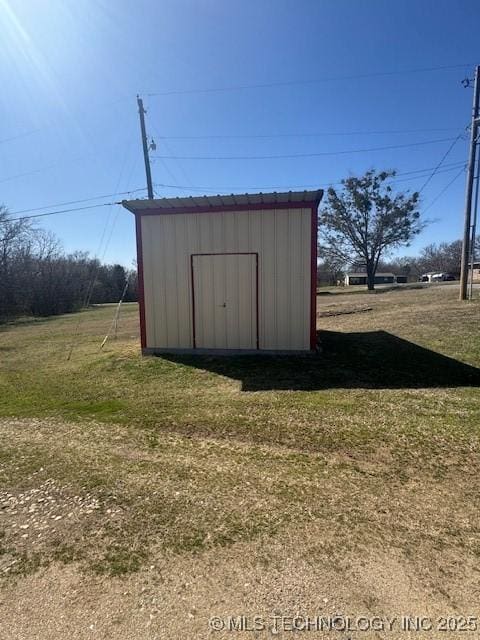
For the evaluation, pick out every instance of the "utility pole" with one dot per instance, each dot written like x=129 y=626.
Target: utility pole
x=142 y=112
x=474 y=230
x=469 y=190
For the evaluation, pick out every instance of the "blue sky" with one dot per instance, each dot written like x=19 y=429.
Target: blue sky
x=70 y=71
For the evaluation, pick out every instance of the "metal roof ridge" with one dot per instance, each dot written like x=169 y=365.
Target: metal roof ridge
x=249 y=199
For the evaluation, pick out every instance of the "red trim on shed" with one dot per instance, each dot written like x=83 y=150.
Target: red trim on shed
x=313 y=288
x=257 y=301
x=257 y=206
x=141 y=286
x=253 y=206
x=194 y=335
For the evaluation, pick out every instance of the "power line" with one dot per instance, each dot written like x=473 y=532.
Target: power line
x=111 y=204
x=440 y=171
x=288 y=83
x=444 y=157
x=20 y=135
x=54 y=213
x=318 y=134
x=64 y=204
x=52 y=126
x=447 y=168
x=165 y=164
x=124 y=165
x=447 y=186
x=307 y=155
x=90 y=289
x=31 y=173
x=450 y=164
x=46 y=167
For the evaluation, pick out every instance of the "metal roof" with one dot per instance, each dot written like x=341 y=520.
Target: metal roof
x=247 y=199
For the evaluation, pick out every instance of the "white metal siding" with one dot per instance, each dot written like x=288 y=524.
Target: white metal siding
x=282 y=239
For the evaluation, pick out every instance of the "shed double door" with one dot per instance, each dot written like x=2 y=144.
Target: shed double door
x=224 y=300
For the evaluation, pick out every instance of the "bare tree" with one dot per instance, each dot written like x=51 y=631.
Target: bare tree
x=14 y=236
x=445 y=256
x=366 y=220
x=37 y=278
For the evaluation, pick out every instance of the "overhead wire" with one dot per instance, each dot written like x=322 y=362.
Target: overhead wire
x=64 y=204
x=442 y=160
x=50 y=126
x=132 y=168
x=287 y=83
x=447 y=186
x=309 y=155
x=46 y=167
x=447 y=168
x=54 y=213
x=165 y=164
x=117 y=186
x=30 y=173
x=20 y=135
x=98 y=260
x=318 y=134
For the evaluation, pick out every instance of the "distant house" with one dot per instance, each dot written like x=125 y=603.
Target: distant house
x=401 y=279
x=475 y=272
x=361 y=278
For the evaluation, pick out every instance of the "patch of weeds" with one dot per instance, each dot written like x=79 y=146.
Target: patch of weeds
x=28 y=563
x=3 y=549
x=372 y=602
x=151 y=439
x=190 y=542
x=120 y=559
x=98 y=409
x=67 y=553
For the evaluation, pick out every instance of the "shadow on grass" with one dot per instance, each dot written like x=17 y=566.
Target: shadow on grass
x=366 y=360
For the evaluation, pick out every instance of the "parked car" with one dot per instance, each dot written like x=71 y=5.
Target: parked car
x=441 y=277
x=436 y=277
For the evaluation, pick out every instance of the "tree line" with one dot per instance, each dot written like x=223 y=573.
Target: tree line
x=443 y=257
x=359 y=227
x=38 y=278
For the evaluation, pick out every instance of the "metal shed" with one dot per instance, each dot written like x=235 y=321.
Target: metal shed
x=227 y=274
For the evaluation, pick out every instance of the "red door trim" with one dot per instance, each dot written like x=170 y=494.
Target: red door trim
x=141 y=285
x=225 y=253
x=313 y=284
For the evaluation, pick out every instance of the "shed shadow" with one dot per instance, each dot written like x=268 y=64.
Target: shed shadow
x=364 y=360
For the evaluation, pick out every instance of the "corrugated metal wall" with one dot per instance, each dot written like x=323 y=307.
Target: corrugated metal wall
x=225 y=300
x=282 y=240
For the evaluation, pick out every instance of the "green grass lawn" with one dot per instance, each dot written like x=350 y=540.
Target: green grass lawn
x=181 y=454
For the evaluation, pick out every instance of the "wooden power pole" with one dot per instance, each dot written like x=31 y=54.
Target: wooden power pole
x=469 y=191
x=141 y=112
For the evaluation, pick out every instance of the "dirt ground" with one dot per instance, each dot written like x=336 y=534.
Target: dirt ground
x=176 y=597
x=315 y=569
x=158 y=499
